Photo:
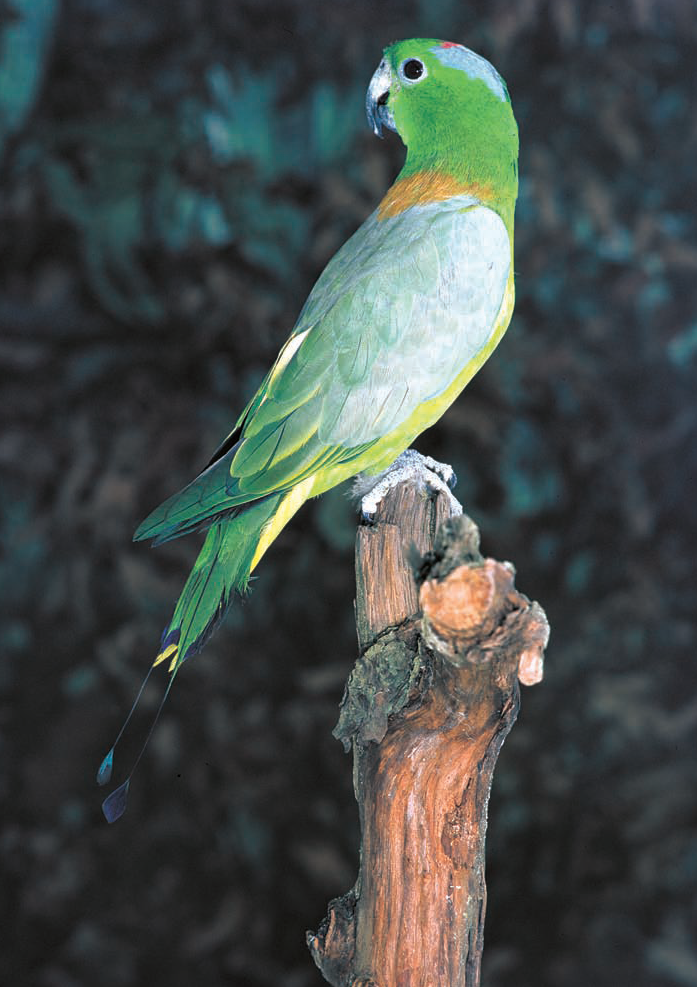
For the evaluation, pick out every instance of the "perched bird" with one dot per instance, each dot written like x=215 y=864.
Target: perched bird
x=399 y=321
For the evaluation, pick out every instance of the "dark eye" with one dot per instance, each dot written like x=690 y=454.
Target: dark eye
x=413 y=69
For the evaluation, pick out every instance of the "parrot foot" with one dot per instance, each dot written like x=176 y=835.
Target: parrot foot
x=411 y=465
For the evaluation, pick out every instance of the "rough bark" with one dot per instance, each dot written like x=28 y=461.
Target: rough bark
x=444 y=639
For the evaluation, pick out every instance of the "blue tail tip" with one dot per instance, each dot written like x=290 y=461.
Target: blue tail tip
x=105 y=769
x=114 y=805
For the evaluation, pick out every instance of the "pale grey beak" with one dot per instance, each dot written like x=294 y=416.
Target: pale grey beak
x=376 y=108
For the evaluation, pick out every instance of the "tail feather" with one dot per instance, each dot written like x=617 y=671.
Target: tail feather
x=233 y=545
x=222 y=569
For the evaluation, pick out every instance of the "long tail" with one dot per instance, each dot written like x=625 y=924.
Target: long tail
x=232 y=547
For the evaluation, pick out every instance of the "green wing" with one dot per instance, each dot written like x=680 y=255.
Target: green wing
x=396 y=314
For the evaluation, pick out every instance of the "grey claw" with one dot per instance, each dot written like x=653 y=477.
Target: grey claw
x=431 y=475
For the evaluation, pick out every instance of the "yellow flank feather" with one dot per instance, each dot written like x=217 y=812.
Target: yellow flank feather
x=291 y=503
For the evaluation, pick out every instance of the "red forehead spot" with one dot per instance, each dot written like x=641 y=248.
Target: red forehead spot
x=450 y=44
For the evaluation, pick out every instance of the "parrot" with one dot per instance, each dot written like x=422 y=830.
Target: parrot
x=398 y=322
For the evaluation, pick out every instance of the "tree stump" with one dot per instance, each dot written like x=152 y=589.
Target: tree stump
x=444 y=639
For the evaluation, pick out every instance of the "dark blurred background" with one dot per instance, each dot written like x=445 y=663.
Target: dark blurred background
x=174 y=177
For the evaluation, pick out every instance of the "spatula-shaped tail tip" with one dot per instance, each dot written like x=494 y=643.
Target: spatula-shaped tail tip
x=114 y=805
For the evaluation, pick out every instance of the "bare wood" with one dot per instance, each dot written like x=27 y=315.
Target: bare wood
x=426 y=709
x=405 y=527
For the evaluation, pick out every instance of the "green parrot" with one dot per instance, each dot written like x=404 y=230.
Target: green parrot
x=399 y=321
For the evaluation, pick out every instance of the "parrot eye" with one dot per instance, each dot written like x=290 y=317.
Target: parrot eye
x=412 y=70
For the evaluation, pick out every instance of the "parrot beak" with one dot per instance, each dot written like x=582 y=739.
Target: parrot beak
x=376 y=108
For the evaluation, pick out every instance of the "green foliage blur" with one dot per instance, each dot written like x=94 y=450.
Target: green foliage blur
x=173 y=178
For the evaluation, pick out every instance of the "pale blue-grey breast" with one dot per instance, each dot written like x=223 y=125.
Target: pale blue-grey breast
x=404 y=306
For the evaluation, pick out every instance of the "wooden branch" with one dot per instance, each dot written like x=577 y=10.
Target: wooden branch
x=444 y=640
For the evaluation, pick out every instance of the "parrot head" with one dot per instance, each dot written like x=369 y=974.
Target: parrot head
x=451 y=109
